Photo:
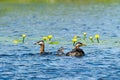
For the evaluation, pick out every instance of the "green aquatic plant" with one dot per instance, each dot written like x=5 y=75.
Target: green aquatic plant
x=49 y=37
x=54 y=42
x=84 y=35
x=74 y=40
x=23 y=38
x=91 y=39
x=61 y=1
x=97 y=37
x=16 y=41
x=45 y=38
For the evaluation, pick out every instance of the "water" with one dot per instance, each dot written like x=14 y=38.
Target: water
x=63 y=21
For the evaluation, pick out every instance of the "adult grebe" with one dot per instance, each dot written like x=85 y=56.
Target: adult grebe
x=77 y=51
x=42 y=47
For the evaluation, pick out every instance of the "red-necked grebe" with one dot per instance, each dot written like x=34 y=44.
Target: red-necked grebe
x=77 y=51
x=42 y=47
x=60 y=52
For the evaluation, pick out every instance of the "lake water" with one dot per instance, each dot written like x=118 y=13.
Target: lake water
x=63 y=21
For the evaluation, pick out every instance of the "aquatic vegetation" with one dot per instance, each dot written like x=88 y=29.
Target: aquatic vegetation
x=60 y=1
x=23 y=38
x=16 y=41
x=58 y=40
x=74 y=40
x=49 y=37
x=84 y=35
x=54 y=42
x=97 y=37
x=45 y=38
x=91 y=39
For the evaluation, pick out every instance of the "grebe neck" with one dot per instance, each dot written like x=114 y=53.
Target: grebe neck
x=42 y=48
x=76 y=47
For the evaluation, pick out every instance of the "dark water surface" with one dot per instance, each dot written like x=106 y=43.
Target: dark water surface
x=63 y=21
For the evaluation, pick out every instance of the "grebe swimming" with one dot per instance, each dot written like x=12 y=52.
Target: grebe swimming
x=60 y=52
x=42 y=47
x=77 y=51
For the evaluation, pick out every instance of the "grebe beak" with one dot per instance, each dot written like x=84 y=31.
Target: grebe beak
x=83 y=45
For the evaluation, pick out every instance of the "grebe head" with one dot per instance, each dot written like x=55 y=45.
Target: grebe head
x=79 y=44
x=41 y=42
x=61 y=49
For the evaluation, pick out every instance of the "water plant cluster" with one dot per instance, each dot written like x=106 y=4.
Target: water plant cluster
x=84 y=38
x=91 y=38
x=49 y=39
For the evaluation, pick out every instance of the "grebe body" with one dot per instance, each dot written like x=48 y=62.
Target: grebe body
x=60 y=52
x=77 y=51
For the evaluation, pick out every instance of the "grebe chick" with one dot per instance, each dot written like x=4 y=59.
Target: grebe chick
x=60 y=52
x=42 y=47
x=77 y=51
